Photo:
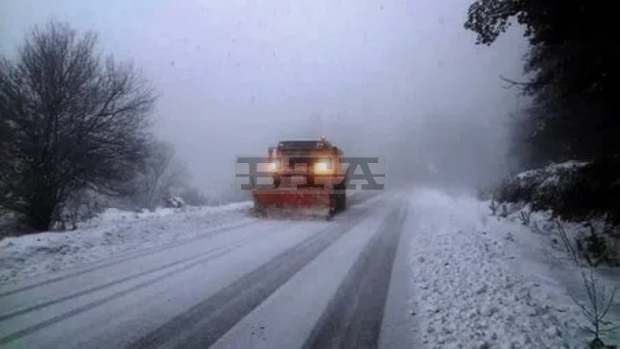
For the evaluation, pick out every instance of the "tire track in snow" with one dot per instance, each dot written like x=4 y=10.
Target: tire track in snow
x=6 y=316
x=29 y=330
x=123 y=258
x=353 y=317
x=208 y=256
x=203 y=324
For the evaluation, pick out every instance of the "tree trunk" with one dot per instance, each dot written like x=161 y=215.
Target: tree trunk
x=42 y=209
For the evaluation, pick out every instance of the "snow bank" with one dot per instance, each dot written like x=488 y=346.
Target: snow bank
x=484 y=282
x=112 y=232
x=552 y=170
x=573 y=190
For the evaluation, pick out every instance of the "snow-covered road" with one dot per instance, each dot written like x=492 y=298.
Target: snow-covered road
x=422 y=268
x=254 y=283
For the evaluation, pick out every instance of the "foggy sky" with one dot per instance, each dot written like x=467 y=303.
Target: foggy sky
x=397 y=79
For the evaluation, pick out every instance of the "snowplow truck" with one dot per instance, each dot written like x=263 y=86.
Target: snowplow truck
x=306 y=178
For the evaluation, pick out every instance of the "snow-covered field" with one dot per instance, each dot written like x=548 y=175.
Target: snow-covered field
x=481 y=281
x=112 y=233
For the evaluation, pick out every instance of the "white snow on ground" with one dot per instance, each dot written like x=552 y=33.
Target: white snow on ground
x=481 y=281
x=477 y=280
x=111 y=233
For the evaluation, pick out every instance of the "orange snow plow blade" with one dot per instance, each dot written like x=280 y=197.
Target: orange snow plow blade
x=302 y=198
x=294 y=202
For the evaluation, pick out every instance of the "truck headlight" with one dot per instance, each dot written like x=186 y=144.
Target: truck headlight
x=323 y=166
x=274 y=166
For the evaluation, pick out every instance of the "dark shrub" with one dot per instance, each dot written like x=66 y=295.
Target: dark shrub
x=572 y=190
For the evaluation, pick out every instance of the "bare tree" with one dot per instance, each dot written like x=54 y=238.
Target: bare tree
x=595 y=310
x=161 y=176
x=571 y=250
x=69 y=120
x=493 y=206
x=525 y=216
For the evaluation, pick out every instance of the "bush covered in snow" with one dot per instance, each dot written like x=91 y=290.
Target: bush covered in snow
x=572 y=190
x=174 y=202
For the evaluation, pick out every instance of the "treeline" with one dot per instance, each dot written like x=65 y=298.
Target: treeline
x=571 y=69
x=572 y=65
x=75 y=129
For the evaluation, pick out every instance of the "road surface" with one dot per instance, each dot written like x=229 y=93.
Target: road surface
x=262 y=283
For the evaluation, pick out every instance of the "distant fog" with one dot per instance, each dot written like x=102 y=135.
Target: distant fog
x=397 y=79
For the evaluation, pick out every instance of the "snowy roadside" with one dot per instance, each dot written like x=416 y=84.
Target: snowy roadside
x=480 y=281
x=109 y=234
